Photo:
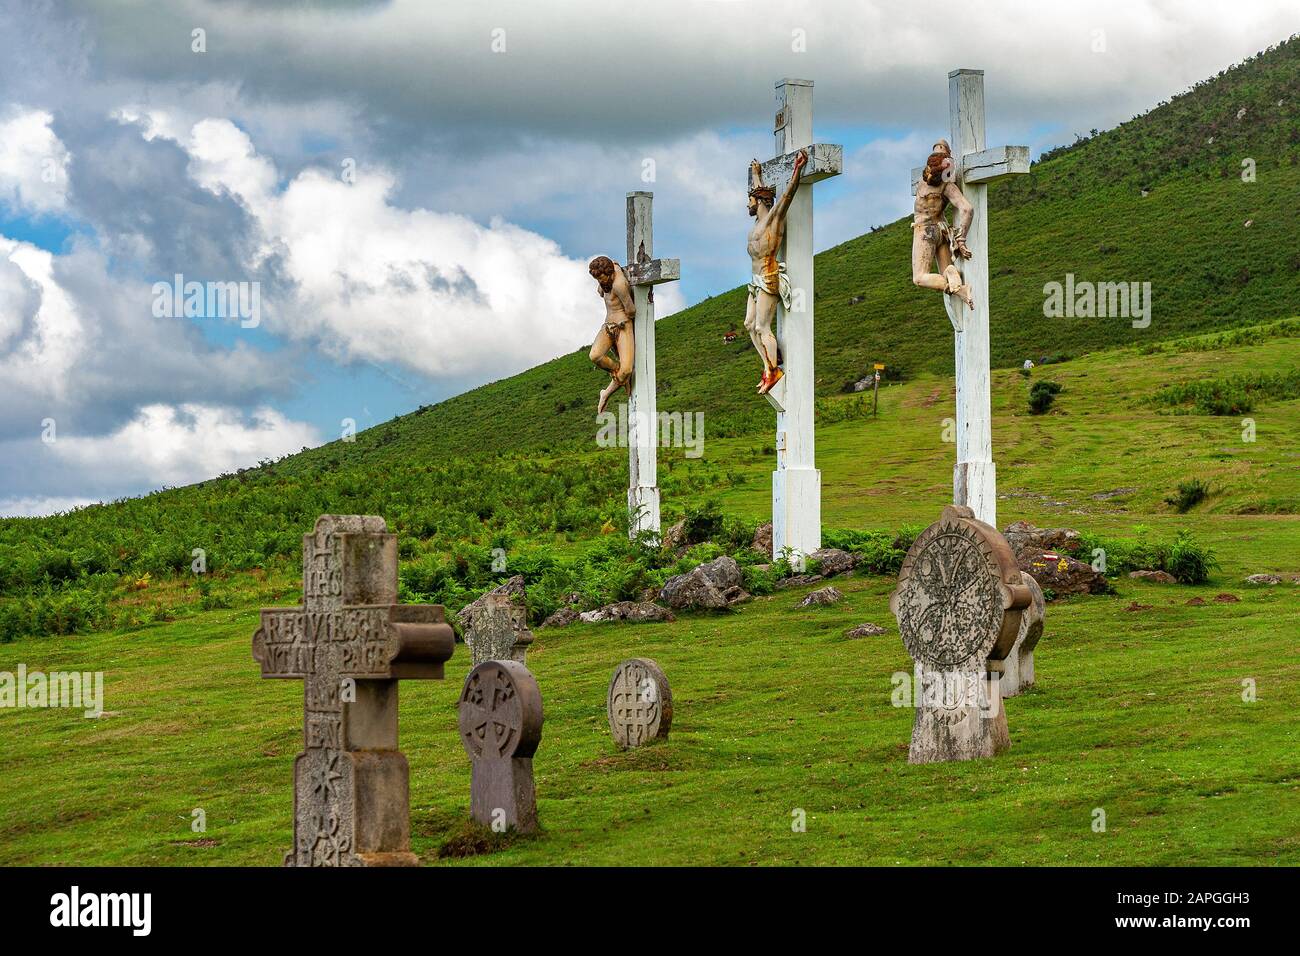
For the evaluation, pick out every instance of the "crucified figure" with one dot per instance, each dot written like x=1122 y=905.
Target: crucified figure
x=933 y=239
x=617 y=332
x=769 y=284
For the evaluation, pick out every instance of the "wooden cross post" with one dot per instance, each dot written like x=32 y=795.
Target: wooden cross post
x=644 y=272
x=974 y=479
x=796 y=483
x=350 y=643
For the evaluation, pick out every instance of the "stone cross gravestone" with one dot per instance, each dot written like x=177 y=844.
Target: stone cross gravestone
x=639 y=703
x=974 y=477
x=500 y=717
x=959 y=603
x=350 y=643
x=498 y=631
x=796 y=483
x=644 y=272
x=1018 y=668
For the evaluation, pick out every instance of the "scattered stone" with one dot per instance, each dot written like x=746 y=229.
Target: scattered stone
x=1196 y=602
x=865 y=630
x=1264 y=579
x=821 y=597
x=762 y=542
x=1226 y=599
x=1060 y=573
x=562 y=618
x=349 y=643
x=639 y=703
x=1023 y=536
x=635 y=612
x=499 y=630
x=514 y=588
x=862 y=384
x=674 y=537
x=1135 y=606
x=1158 y=577
x=705 y=587
x=1116 y=493
x=855 y=299
x=500 y=719
x=833 y=561
x=798 y=580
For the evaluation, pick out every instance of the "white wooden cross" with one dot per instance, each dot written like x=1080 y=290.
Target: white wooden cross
x=974 y=479
x=796 y=483
x=644 y=272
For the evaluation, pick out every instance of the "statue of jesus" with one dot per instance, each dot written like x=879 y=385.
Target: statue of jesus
x=933 y=239
x=769 y=283
x=618 y=332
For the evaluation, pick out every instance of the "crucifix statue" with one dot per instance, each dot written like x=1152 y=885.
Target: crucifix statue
x=959 y=176
x=965 y=173
x=643 y=273
x=350 y=643
x=781 y=250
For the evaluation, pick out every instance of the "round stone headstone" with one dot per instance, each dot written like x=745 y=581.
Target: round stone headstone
x=500 y=711
x=960 y=594
x=640 y=703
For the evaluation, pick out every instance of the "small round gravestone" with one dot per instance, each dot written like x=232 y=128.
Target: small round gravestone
x=500 y=718
x=640 y=703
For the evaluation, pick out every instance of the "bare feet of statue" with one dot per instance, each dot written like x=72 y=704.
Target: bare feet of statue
x=605 y=393
x=775 y=376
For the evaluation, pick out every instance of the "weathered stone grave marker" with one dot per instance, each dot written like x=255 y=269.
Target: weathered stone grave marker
x=639 y=704
x=796 y=483
x=644 y=272
x=959 y=604
x=498 y=631
x=500 y=717
x=350 y=643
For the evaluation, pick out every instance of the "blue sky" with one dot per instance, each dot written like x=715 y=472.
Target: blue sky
x=416 y=206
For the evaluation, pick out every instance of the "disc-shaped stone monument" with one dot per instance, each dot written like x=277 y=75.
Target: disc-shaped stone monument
x=500 y=717
x=639 y=703
x=958 y=604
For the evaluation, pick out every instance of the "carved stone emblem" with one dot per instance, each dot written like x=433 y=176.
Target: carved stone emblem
x=639 y=703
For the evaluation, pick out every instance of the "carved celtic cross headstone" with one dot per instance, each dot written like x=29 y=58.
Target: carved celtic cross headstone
x=958 y=604
x=639 y=704
x=350 y=643
x=501 y=726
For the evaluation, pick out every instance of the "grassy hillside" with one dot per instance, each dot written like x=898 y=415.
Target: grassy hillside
x=1138 y=710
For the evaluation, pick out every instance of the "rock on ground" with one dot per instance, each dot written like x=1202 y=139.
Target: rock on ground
x=562 y=618
x=865 y=630
x=1264 y=579
x=1024 y=536
x=634 y=611
x=715 y=584
x=1060 y=573
x=762 y=542
x=821 y=597
x=1159 y=577
x=833 y=561
x=798 y=581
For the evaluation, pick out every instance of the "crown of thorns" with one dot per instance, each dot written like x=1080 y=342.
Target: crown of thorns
x=763 y=192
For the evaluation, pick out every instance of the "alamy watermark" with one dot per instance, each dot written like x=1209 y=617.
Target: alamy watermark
x=676 y=429
x=76 y=689
x=1099 y=300
x=208 y=300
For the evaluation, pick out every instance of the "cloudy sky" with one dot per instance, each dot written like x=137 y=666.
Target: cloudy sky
x=415 y=187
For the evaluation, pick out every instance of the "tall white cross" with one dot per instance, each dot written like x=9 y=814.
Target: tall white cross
x=644 y=272
x=796 y=483
x=974 y=479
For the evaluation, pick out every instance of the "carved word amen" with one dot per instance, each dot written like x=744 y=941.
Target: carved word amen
x=103 y=909
x=209 y=300
x=75 y=689
x=1104 y=300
